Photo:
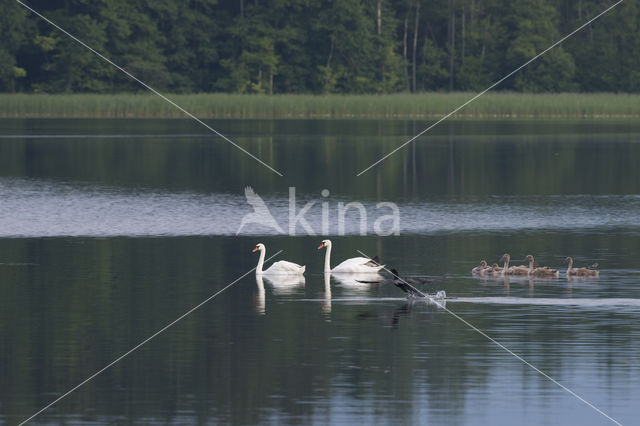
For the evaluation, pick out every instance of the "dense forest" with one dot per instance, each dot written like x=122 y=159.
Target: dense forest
x=307 y=46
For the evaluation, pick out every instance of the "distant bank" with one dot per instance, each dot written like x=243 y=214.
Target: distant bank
x=402 y=106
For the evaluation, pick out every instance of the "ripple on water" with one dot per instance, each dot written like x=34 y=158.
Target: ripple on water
x=38 y=208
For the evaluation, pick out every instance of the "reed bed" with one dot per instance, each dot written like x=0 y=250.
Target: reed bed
x=406 y=106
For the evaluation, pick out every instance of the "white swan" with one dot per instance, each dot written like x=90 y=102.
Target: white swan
x=355 y=265
x=281 y=267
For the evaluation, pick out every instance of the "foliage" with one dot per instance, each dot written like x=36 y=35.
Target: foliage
x=399 y=105
x=14 y=30
x=322 y=47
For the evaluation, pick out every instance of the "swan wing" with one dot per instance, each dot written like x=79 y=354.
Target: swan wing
x=375 y=261
x=409 y=289
x=285 y=267
x=357 y=264
x=356 y=261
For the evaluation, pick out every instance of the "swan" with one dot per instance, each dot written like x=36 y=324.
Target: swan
x=281 y=267
x=506 y=258
x=543 y=271
x=494 y=270
x=579 y=272
x=411 y=281
x=351 y=266
x=405 y=284
x=513 y=270
x=480 y=269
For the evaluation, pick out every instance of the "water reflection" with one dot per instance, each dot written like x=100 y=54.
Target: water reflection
x=403 y=310
x=508 y=280
x=606 y=304
x=530 y=282
x=573 y=279
x=259 y=297
x=283 y=285
x=463 y=158
x=352 y=282
x=326 y=304
x=487 y=188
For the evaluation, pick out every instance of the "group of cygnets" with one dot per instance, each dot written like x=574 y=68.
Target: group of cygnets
x=530 y=271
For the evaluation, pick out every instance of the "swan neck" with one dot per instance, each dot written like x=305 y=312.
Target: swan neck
x=260 y=262
x=530 y=266
x=506 y=266
x=570 y=267
x=327 y=259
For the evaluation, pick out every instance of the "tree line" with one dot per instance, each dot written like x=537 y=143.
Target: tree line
x=327 y=46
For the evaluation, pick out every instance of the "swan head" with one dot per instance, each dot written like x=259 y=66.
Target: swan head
x=529 y=258
x=483 y=263
x=505 y=257
x=568 y=260
x=325 y=243
x=258 y=247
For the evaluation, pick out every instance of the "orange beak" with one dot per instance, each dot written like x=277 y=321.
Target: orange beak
x=320 y=246
x=255 y=249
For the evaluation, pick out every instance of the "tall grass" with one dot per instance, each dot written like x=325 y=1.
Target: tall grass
x=425 y=105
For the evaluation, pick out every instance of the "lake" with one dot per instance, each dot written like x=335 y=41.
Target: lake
x=112 y=229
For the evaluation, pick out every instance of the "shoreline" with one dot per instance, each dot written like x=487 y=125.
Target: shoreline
x=499 y=105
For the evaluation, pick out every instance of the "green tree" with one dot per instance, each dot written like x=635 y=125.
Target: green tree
x=533 y=26
x=136 y=42
x=483 y=36
x=607 y=56
x=262 y=37
x=73 y=67
x=187 y=48
x=255 y=56
x=15 y=30
x=390 y=73
x=328 y=46
x=347 y=28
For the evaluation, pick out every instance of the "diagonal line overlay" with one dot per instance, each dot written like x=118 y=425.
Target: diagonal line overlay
x=501 y=346
x=151 y=89
x=489 y=88
x=141 y=344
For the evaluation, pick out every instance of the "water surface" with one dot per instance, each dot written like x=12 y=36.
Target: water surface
x=111 y=229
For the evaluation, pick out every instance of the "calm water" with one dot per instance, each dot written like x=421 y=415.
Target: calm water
x=109 y=230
